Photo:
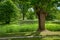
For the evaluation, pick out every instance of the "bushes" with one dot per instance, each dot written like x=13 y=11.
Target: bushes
x=17 y=28
x=8 y=11
x=30 y=14
x=53 y=27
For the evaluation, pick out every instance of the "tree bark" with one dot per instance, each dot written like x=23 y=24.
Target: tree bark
x=23 y=16
x=41 y=18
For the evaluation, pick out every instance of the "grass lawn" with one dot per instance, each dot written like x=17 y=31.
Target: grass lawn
x=27 y=29
x=14 y=28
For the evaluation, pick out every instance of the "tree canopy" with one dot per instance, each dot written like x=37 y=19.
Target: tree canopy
x=8 y=11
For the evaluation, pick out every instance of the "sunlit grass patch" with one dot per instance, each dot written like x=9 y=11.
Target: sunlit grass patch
x=13 y=28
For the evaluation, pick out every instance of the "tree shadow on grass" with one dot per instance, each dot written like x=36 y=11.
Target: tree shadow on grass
x=41 y=37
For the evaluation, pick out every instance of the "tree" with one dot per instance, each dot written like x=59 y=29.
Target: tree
x=8 y=11
x=23 y=6
x=41 y=8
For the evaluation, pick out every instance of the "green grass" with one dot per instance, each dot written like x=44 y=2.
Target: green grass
x=13 y=28
x=18 y=29
x=53 y=27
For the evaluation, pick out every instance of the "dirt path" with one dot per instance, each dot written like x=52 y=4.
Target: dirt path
x=50 y=33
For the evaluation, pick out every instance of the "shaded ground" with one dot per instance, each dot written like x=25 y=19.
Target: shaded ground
x=33 y=38
x=44 y=35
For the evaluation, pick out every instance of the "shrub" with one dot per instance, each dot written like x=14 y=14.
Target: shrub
x=8 y=11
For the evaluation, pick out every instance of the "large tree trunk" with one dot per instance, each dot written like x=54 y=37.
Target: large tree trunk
x=41 y=18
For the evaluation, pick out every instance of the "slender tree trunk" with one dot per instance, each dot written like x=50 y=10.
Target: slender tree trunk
x=7 y=21
x=23 y=16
